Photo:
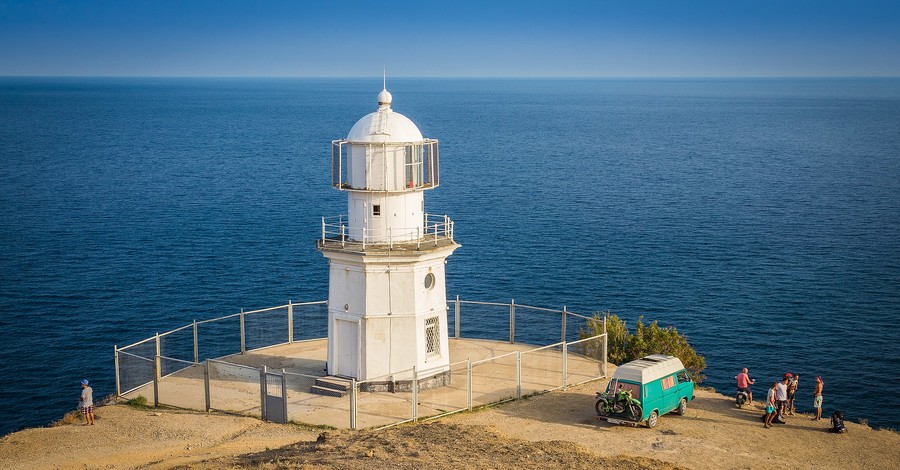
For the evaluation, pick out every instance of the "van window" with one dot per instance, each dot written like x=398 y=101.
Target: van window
x=683 y=377
x=635 y=388
x=668 y=382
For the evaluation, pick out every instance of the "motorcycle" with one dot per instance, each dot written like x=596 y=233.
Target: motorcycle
x=620 y=403
x=741 y=398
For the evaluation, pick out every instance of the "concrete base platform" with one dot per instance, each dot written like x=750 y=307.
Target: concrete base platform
x=235 y=387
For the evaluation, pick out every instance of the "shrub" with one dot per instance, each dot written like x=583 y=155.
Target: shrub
x=623 y=346
x=139 y=402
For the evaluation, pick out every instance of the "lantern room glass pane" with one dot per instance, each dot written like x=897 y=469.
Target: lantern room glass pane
x=414 y=166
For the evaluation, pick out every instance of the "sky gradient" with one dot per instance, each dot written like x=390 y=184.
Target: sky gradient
x=450 y=38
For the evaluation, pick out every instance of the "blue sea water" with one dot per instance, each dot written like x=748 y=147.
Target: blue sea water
x=760 y=217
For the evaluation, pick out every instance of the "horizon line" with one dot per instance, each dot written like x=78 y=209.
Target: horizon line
x=471 y=77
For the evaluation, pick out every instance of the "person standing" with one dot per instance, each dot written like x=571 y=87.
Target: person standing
x=87 y=402
x=793 y=385
x=770 y=405
x=817 y=397
x=781 y=393
x=744 y=383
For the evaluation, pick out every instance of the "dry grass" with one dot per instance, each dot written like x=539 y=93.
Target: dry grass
x=72 y=417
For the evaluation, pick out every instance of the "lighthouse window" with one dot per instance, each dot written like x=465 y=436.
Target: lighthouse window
x=429 y=281
x=376 y=209
x=432 y=338
x=414 y=166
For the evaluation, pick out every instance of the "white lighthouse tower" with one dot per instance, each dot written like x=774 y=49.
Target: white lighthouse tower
x=387 y=302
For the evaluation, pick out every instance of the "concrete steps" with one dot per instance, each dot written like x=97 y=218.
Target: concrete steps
x=331 y=386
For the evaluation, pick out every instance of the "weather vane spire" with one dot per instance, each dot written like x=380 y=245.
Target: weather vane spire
x=384 y=76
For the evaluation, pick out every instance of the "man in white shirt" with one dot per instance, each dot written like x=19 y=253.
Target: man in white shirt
x=87 y=402
x=781 y=394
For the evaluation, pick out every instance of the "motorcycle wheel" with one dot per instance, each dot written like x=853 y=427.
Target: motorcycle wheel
x=602 y=407
x=635 y=412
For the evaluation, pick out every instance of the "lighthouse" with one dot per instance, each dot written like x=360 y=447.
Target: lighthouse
x=387 y=301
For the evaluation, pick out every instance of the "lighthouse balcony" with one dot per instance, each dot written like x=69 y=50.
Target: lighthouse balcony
x=337 y=234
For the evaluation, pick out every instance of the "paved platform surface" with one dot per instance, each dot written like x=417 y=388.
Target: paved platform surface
x=235 y=382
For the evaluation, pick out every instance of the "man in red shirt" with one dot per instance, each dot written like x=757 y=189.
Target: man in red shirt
x=744 y=383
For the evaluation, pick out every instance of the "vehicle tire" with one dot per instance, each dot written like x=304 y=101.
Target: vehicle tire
x=653 y=419
x=682 y=407
x=602 y=408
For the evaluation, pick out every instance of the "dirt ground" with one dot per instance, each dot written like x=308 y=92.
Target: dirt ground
x=548 y=431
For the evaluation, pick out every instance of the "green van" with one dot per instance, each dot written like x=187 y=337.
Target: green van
x=642 y=390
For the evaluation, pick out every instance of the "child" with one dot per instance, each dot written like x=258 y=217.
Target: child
x=770 y=405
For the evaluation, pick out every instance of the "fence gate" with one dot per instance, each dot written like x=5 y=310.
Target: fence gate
x=274 y=396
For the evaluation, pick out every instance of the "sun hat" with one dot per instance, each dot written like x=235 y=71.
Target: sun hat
x=84 y=382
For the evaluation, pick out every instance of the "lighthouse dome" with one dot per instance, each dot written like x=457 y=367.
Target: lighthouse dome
x=384 y=125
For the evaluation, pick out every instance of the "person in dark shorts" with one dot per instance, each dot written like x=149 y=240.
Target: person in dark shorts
x=781 y=396
x=86 y=403
x=743 y=384
x=793 y=385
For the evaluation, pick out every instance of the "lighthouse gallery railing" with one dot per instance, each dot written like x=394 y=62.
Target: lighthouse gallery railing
x=178 y=368
x=336 y=232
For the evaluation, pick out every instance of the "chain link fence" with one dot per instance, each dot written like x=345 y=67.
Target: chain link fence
x=221 y=364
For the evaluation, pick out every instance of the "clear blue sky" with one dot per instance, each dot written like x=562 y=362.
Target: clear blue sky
x=450 y=38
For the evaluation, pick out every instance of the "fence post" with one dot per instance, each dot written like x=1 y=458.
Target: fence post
x=605 y=339
x=565 y=316
x=156 y=374
x=290 y=322
x=469 y=388
x=262 y=391
x=284 y=396
x=518 y=374
x=565 y=365
x=196 y=345
x=353 y=389
x=206 y=385
x=118 y=383
x=243 y=337
x=456 y=323
x=512 y=321
x=415 y=395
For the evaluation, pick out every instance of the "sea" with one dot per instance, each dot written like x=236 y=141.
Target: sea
x=760 y=217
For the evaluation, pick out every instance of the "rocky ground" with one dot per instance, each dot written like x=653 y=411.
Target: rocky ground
x=554 y=430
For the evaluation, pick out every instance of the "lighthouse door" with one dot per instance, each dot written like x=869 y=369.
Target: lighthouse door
x=348 y=348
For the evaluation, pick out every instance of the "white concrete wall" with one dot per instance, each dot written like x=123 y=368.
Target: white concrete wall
x=401 y=220
x=388 y=296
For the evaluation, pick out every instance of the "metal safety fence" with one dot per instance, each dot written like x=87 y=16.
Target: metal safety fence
x=231 y=364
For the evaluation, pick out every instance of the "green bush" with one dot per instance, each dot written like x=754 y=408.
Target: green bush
x=647 y=339
x=139 y=403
